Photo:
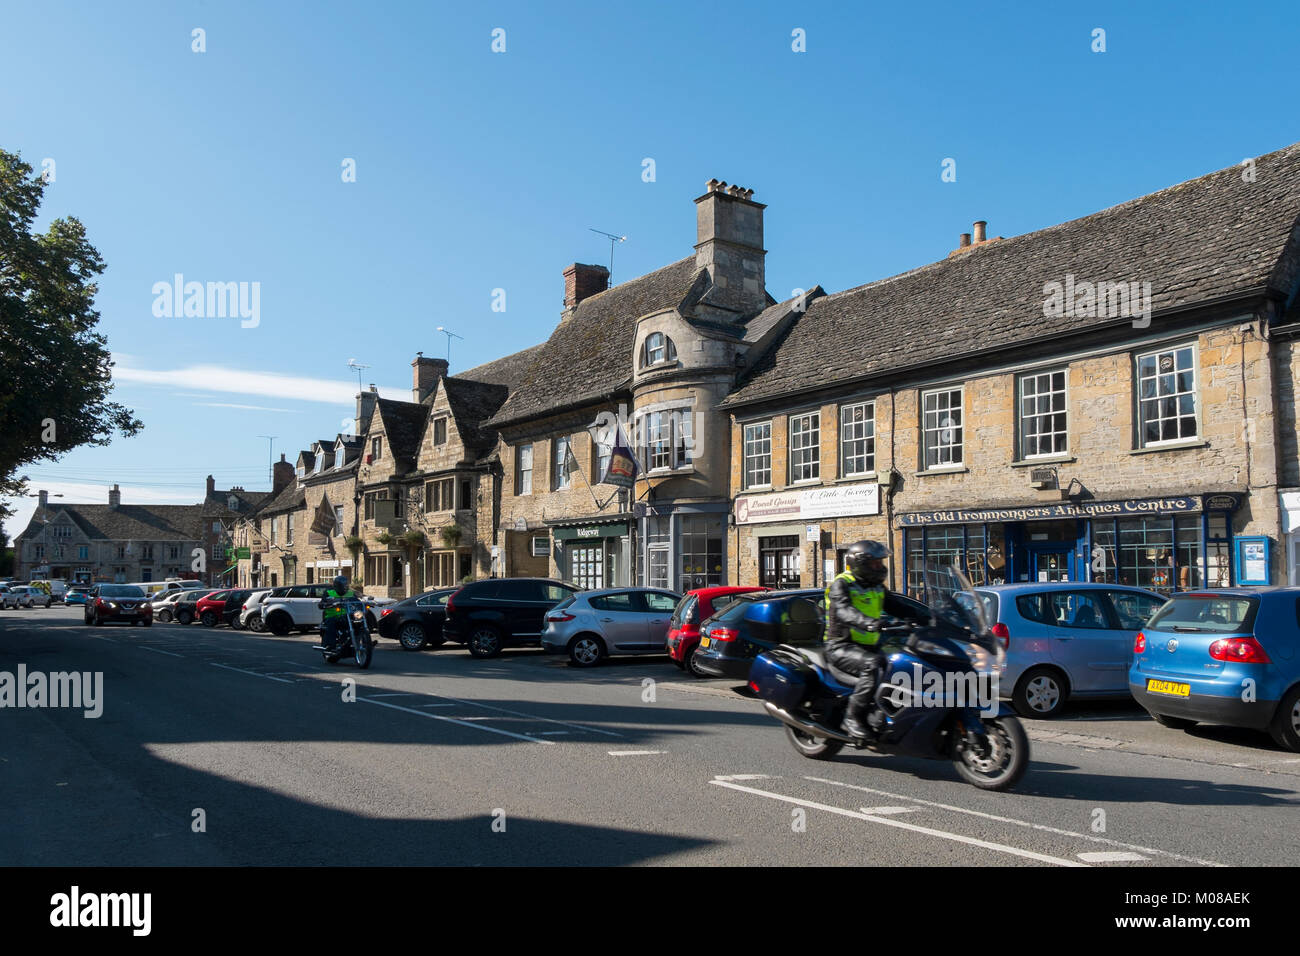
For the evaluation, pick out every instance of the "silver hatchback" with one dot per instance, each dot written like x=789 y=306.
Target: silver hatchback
x=1065 y=640
x=593 y=625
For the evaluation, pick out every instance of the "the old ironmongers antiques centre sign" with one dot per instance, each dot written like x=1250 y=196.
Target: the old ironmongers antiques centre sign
x=1073 y=509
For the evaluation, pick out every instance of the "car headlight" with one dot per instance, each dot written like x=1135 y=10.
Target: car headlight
x=111 y=604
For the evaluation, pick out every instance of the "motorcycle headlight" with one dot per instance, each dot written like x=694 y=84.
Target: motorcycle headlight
x=981 y=660
x=358 y=616
x=929 y=647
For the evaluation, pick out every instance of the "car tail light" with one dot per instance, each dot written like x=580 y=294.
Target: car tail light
x=1243 y=650
x=753 y=686
x=560 y=617
x=1001 y=632
x=385 y=612
x=724 y=634
x=1140 y=645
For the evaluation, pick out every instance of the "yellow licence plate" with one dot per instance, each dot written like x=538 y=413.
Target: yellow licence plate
x=704 y=641
x=1168 y=687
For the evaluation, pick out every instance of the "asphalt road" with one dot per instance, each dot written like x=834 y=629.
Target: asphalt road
x=443 y=759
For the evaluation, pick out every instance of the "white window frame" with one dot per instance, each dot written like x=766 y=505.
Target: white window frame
x=560 y=478
x=665 y=350
x=811 y=447
x=522 y=486
x=664 y=436
x=940 y=427
x=544 y=551
x=852 y=432
x=376 y=448
x=751 y=453
x=1177 y=395
x=1023 y=417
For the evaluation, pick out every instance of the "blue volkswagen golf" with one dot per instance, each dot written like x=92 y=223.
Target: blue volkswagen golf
x=1226 y=656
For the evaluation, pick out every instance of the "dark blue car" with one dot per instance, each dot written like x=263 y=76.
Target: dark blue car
x=1228 y=656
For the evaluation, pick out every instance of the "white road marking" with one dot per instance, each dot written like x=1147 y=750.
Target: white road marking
x=635 y=753
x=437 y=705
x=744 y=776
x=888 y=811
x=1112 y=856
x=395 y=694
x=546 y=720
x=157 y=651
x=453 y=720
x=552 y=733
x=885 y=821
x=109 y=639
x=1022 y=823
x=250 y=673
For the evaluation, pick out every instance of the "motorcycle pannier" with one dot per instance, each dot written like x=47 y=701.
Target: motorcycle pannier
x=782 y=676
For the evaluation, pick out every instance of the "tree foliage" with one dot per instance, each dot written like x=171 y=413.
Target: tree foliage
x=55 y=367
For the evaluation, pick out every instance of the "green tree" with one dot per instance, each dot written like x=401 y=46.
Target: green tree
x=55 y=365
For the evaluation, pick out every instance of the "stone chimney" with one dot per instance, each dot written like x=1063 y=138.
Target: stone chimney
x=212 y=486
x=582 y=281
x=114 y=497
x=365 y=408
x=282 y=475
x=43 y=499
x=729 y=244
x=965 y=243
x=424 y=375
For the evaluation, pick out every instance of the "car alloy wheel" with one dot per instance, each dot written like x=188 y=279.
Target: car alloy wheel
x=585 y=650
x=411 y=636
x=484 y=642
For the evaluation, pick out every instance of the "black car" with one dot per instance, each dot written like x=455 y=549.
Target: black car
x=234 y=604
x=184 y=611
x=732 y=638
x=487 y=616
x=416 y=623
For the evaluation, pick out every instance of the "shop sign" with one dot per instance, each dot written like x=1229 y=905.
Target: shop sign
x=1082 y=509
x=809 y=503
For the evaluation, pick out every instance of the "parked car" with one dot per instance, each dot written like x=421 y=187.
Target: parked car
x=234 y=606
x=593 y=625
x=1065 y=640
x=1227 y=656
x=185 y=610
x=5 y=592
x=298 y=608
x=250 y=614
x=416 y=622
x=118 y=603
x=732 y=638
x=24 y=595
x=696 y=606
x=207 y=609
x=164 y=605
x=76 y=595
x=488 y=616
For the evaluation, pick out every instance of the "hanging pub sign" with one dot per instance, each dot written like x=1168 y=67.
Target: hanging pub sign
x=322 y=521
x=622 y=469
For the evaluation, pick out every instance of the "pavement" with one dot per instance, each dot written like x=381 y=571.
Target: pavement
x=221 y=747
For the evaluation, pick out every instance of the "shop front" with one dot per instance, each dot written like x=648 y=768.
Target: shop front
x=682 y=545
x=594 y=553
x=1163 y=544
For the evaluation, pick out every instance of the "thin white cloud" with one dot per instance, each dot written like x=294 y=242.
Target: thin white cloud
x=251 y=408
x=241 y=381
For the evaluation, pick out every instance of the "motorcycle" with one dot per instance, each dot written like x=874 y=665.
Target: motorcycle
x=356 y=633
x=933 y=665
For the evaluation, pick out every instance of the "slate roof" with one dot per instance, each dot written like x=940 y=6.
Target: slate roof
x=128 y=522
x=590 y=353
x=403 y=427
x=1200 y=240
x=216 y=504
x=290 y=498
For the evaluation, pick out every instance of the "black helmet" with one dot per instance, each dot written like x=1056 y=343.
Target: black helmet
x=866 y=562
x=340 y=583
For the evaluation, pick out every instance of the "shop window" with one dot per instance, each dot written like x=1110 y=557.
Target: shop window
x=942 y=414
x=1043 y=414
x=658 y=541
x=1166 y=385
x=978 y=550
x=587 y=570
x=805 y=447
x=778 y=561
x=701 y=552
x=758 y=455
x=858 y=439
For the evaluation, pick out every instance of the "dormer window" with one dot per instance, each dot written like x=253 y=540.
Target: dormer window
x=340 y=454
x=232 y=503
x=320 y=460
x=658 y=348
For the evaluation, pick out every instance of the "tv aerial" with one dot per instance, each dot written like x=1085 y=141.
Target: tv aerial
x=613 y=241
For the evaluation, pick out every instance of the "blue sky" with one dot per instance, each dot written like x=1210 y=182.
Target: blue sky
x=478 y=170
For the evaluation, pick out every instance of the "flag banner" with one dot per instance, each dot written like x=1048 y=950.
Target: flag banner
x=571 y=467
x=622 y=468
x=322 y=521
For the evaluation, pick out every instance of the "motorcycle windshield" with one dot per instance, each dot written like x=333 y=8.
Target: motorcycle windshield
x=953 y=603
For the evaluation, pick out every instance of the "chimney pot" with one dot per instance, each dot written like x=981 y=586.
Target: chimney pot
x=114 y=497
x=965 y=240
x=979 y=230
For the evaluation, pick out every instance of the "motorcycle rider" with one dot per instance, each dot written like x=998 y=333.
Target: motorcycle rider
x=332 y=614
x=855 y=604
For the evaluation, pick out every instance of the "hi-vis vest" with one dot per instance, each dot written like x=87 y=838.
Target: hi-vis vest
x=870 y=601
x=334 y=595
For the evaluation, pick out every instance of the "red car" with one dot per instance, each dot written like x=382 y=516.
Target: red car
x=208 y=609
x=684 y=626
x=118 y=603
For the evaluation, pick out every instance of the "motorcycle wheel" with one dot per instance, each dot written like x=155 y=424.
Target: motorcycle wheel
x=362 y=652
x=814 y=748
x=1006 y=762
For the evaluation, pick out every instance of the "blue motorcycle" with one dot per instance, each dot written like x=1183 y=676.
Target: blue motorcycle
x=937 y=691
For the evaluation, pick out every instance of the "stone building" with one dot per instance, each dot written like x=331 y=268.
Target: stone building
x=116 y=542
x=220 y=511
x=1109 y=399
